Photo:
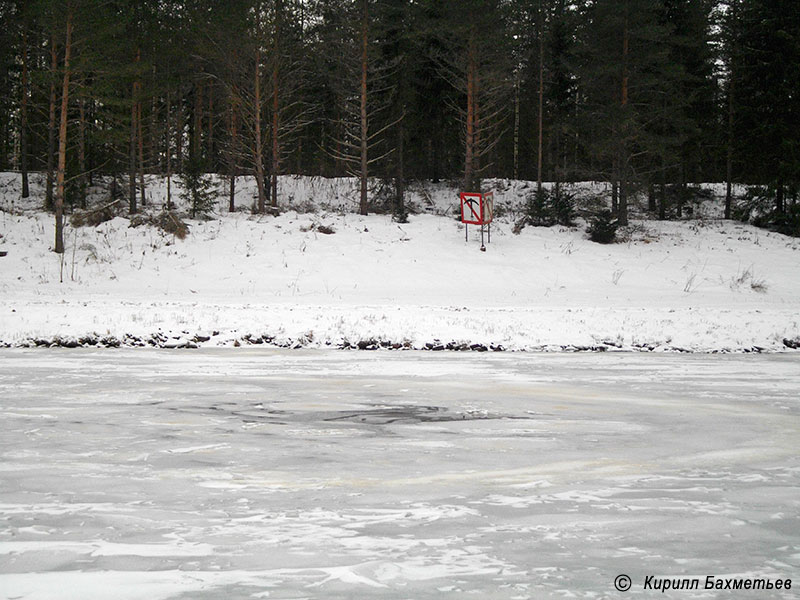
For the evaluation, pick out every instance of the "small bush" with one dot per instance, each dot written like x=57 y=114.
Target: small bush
x=787 y=223
x=754 y=207
x=548 y=208
x=758 y=208
x=400 y=214
x=603 y=228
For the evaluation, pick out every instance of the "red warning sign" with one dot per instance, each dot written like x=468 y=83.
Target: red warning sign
x=477 y=209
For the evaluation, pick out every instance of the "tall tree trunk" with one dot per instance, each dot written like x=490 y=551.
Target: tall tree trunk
x=234 y=149
x=132 y=208
x=139 y=137
x=82 y=152
x=23 y=119
x=622 y=210
x=469 y=153
x=259 y=157
x=51 y=127
x=541 y=102
x=156 y=166
x=780 y=203
x=338 y=131
x=662 y=190
x=517 y=76
x=399 y=186
x=198 y=120
x=615 y=184
x=210 y=141
x=89 y=161
x=179 y=125
x=437 y=140
x=140 y=140
x=62 y=142
x=275 y=104
x=168 y=151
x=729 y=154
x=364 y=130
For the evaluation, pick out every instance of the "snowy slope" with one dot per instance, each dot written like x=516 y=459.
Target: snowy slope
x=701 y=285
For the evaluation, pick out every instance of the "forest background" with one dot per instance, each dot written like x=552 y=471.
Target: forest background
x=651 y=96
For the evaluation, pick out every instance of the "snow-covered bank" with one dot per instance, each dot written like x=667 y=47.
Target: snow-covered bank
x=701 y=285
x=188 y=325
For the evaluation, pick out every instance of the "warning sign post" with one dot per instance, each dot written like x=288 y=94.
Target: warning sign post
x=477 y=209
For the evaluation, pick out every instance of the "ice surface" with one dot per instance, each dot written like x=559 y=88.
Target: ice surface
x=315 y=474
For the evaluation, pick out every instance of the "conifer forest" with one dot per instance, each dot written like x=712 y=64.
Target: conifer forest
x=651 y=96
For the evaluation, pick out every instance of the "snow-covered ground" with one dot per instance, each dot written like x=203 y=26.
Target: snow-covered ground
x=154 y=475
x=702 y=284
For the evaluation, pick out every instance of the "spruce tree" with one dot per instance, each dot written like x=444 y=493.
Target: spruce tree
x=767 y=105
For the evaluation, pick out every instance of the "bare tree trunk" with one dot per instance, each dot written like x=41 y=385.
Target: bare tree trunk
x=435 y=150
x=662 y=191
x=622 y=211
x=541 y=101
x=729 y=154
x=399 y=187
x=62 y=142
x=23 y=117
x=198 y=120
x=234 y=150
x=89 y=162
x=469 y=152
x=82 y=152
x=132 y=208
x=516 y=123
x=168 y=151
x=140 y=139
x=179 y=125
x=156 y=166
x=729 y=149
x=259 y=157
x=210 y=140
x=338 y=127
x=275 y=105
x=364 y=130
x=51 y=126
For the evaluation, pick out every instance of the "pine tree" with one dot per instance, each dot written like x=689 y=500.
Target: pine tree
x=477 y=64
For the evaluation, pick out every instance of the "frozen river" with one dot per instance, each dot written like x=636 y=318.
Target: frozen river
x=136 y=474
